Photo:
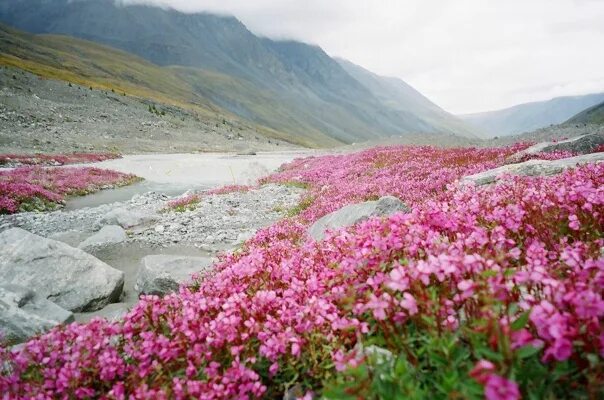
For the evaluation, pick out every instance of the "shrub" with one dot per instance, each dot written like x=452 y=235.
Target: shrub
x=42 y=189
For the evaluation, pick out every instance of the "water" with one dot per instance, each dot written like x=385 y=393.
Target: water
x=174 y=174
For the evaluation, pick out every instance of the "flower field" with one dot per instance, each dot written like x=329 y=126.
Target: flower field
x=40 y=189
x=54 y=159
x=480 y=292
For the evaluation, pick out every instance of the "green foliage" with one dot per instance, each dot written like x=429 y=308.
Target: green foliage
x=303 y=205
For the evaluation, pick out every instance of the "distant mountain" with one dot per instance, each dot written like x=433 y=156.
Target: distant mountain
x=397 y=94
x=287 y=86
x=593 y=115
x=531 y=116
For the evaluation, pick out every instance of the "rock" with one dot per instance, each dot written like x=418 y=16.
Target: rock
x=112 y=312
x=71 y=237
x=355 y=213
x=24 y=314
x=110 y=234
x=160 y=229
x=67 y=276
x=533 y=168
x=582 y=145
x=162 y=274
x=127 y=218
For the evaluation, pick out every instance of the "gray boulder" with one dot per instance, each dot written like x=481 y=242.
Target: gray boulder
x=533 y=168
x=163 y=274
x=108 y=235
x=127 y=218
x=581 y=144
x=71 y=237
x=67 y=276
x=24 y=314
x=355 y=213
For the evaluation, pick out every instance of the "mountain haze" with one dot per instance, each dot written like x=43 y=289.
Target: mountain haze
x=530 y=116
x=287 y=86
x=593 y=115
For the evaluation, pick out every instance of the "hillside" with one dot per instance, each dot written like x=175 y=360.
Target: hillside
x=288 y=86
x=98 y=66
x=530 y=116
x=593 y=115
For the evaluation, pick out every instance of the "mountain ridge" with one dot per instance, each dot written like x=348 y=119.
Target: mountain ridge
x=527 y=117
x=302 y=88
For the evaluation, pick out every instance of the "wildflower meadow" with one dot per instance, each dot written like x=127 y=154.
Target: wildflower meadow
x=489 y=292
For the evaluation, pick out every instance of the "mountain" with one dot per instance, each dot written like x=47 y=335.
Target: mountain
x=531 y=116
x=397 y=94
x=593 y=115
x=286 y=86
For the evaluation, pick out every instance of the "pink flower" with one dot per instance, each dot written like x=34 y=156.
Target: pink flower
x=499 y=388
x=482 y=370
x=574 y=222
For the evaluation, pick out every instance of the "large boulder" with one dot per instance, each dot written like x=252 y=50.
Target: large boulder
x=108 y=235
x=533 y=168
x=127 y=218
x=67 y=276
x=355 y=213
x=581 y=145
x=24 y=314
x=162 y=274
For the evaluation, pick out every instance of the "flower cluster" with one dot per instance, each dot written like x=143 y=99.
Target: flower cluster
x=412 y=174
x=15 y=160
x=229 y=189
x=183 y=203
x=40 y=188
x=492 y=291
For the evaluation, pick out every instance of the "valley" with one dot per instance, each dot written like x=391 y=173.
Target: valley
x=193 y=209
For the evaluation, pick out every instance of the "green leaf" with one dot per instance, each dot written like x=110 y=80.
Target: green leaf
x=521 y=321
x=527 y=351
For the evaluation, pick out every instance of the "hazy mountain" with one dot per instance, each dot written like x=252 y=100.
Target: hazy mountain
x=284 y=85
x=397 y=94
x=593 y=115
x=531 y=116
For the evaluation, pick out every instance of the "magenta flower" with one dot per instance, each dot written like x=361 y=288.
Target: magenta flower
x=499 y=388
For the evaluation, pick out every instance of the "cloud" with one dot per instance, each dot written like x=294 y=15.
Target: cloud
x=466 y=55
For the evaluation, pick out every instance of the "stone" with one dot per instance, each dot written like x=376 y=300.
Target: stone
x=108 y=235
x=24 y=314
x=69 y=277
x=354 y=213
x=584 y=144
x=127 y=218
x=163 y=274
x=71 y=237
x=532 y=168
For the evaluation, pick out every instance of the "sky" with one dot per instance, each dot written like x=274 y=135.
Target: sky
x=465 y=55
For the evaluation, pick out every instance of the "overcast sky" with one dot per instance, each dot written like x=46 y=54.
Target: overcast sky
x=465 y=55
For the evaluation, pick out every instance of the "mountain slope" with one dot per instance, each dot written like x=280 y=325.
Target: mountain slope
x=286 y=85
x=94 y=65
x=399 y=95
x=593 y=115
x=531 y=116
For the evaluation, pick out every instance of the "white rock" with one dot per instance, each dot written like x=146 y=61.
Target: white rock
x=533 y=168
x=24 y=314
x=67 y=276
x=162 y=274
x=354 y=213
x=108 y=235
x=127 y=218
